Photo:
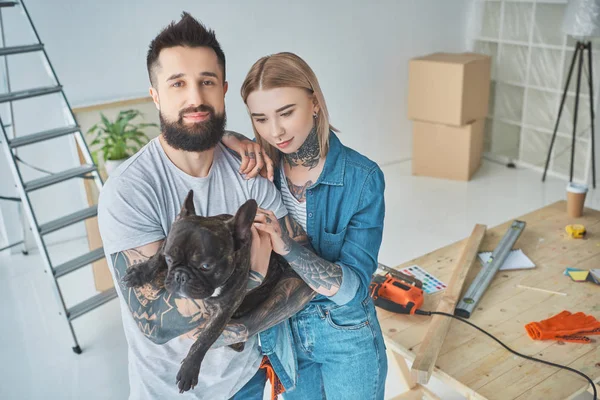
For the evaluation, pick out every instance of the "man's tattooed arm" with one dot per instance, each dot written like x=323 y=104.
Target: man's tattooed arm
x=292 y=231
x=160 y=315
x=238 y=136
x=254 y=280
x=322 y=276
x=289 y=296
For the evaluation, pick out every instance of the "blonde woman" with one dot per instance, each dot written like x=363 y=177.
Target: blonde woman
x=336 y=195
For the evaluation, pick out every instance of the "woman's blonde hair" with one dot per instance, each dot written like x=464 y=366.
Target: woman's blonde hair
x=288 y=70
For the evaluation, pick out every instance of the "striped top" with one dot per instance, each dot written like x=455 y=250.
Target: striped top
x=296 y=209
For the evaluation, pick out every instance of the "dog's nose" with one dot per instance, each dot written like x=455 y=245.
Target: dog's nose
x=181 y=277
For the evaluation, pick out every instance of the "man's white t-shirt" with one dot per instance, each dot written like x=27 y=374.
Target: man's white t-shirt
x=137 y=206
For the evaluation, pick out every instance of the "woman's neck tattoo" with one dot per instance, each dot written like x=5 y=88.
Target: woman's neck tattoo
x=307 y=155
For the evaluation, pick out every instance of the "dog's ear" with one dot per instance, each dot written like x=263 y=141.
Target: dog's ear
x=187 y=208
x=242 y=222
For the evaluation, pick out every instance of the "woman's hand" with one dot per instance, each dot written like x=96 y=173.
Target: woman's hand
x=255 y=161
x=266 y=221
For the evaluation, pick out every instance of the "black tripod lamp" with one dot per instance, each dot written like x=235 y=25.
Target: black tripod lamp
x=582 y=21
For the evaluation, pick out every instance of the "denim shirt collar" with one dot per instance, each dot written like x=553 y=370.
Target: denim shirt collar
x=335 y=163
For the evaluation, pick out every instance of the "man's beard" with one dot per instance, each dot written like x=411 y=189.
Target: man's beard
x=197 y=137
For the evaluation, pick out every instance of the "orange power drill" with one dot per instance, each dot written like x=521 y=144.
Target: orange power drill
x=396 y=292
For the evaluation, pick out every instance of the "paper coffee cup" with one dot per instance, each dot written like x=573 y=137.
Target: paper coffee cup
x=575 y=199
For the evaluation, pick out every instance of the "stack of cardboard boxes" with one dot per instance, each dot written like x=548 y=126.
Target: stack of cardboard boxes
x=448 y=103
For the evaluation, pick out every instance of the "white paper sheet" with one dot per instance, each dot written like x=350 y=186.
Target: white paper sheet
x=515 y=260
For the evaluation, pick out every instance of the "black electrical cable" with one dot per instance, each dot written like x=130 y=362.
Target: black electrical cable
x=10 y=198
x=421 y=312
x=44 y=170
x=11 y=245
x=37 y=169
x=19 y=159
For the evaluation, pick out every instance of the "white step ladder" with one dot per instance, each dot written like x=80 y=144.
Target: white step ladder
x=88 y=170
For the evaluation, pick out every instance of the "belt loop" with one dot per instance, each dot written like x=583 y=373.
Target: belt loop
x=322 y=313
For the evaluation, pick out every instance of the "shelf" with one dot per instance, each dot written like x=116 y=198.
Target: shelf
x=519 y=43
x=525 y=1
x=541 y=89
x=536 y=128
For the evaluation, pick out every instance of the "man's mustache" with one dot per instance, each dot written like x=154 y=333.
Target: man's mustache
x=200 y=108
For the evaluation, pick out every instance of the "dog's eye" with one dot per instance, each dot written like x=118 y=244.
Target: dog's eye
x=205 y=266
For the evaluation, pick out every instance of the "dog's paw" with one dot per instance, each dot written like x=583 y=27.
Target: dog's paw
x=134 y=277
x=187 y=377
x=239 y=347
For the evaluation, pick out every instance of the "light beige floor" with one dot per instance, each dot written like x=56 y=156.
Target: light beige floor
x=422 y=214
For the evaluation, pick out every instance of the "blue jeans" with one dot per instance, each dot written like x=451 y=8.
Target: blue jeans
x=254 y=389
x=341 y=353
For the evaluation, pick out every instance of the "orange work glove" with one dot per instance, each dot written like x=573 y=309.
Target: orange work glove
x=565 y=326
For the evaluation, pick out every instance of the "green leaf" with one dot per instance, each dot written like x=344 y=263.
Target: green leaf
x=124 y=118
x=105 y=121
x=120 y=138
x=93 y=129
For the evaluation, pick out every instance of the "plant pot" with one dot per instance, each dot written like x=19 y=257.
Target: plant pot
x=111 y=165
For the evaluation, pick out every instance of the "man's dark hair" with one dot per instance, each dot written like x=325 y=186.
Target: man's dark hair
x=187 y=32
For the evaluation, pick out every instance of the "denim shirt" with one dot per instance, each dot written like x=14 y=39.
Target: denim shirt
x=344 y=223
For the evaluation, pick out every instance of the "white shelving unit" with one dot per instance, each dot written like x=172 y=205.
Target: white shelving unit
x=530 y=63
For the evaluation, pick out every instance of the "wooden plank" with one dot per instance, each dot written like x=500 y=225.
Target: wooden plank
x=562 y=384
x=102 y=276
x=414 y=390
x=597 y=386
x=441 y=375
x=112 y=104
x=400 y=363
x=438 y=327
x=412 y=394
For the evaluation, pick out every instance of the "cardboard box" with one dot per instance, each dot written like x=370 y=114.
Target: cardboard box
x=445 y=151
x=452 y=89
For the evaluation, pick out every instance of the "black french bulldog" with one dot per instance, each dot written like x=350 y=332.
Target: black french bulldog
x=208 y=258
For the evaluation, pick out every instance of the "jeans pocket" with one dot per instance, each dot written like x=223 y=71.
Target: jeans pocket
x=347 y=317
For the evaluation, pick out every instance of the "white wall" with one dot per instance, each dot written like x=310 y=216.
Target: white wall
x=358 y=49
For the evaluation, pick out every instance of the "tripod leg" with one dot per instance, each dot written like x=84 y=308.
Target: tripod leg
x=576 y=109
x=591 y=88
x=560 y=110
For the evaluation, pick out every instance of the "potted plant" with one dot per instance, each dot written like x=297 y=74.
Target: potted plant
x=118 y=139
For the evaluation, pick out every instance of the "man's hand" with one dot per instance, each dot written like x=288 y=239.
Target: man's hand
x=260 y=254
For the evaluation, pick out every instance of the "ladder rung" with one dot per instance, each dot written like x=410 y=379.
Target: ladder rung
x=39 y=137
x=7 y=51
x=79 y=262
x=7 y=3
x=67 y=220
x=93 y=302
x=26 y=94
x=59 y=177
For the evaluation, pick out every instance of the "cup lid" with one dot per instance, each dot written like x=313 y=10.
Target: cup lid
x=577 y=188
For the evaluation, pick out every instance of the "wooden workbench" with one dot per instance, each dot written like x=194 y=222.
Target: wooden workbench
x=478 y=367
